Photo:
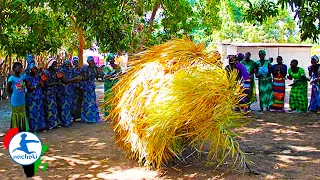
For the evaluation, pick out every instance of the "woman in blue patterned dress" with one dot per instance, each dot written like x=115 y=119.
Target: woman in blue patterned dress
x=89 y=110
x=78 y=93
x=50 y=100
x=66 y=93
x=313 y=76
x=34 y=100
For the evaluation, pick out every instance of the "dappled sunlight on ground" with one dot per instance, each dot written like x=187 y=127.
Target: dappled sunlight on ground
x=286 y=143
x=281 y=146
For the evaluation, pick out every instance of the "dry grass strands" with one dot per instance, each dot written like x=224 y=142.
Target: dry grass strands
x=176 y=95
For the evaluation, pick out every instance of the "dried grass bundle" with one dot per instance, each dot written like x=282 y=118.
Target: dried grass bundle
x=176 y=95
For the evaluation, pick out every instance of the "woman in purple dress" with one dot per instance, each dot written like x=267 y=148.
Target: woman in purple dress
x=244 y=76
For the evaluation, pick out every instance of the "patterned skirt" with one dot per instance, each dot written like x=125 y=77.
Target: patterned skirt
x=89 y=110
x=51 y=109
x=265 y=91
x=35 y=113
x=77 y=103
x=64 y=109
x=19 y=118
x=245 y=100
x=279 y=91
x=315 y=99
x=298 y=99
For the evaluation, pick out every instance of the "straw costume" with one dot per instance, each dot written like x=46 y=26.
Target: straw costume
x=176 y=95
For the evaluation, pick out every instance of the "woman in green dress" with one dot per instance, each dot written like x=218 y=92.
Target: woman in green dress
x=111 y=73
x=250 y=66
x=298 y=99
x=263 y=73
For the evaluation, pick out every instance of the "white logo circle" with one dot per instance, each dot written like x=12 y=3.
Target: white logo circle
x=25 y=148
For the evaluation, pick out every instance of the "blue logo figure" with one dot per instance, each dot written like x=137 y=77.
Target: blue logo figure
x=23 y=145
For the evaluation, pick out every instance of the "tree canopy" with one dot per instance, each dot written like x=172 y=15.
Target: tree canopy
x=131 y=25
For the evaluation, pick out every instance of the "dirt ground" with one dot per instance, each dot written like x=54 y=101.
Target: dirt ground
x=281 y=146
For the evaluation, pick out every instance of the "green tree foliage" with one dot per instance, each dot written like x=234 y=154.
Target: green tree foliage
x=279 y=28
x=28 y=27
x=306 y=12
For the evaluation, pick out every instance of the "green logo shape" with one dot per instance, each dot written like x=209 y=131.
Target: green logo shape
x=38 y=163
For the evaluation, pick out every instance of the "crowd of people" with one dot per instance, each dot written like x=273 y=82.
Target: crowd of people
x=58 y=95
x=271 y=83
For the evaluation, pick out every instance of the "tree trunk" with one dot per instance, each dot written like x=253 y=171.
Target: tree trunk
x=10 y=64
x=153 y=15
x=81 y=45
x=80 y=39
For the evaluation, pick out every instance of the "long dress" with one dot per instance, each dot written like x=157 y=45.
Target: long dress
x=265 y=84
x=50 y=101
x=250 y=66
x=279 y=87
x=76 y=96
x=89 y=110
x=19 y=117
x=299 y=91
x=315 y=99
x=34 y=105
x=65 y=93
x=108 y=84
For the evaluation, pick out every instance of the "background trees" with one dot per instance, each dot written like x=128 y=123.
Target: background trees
x=44 y=27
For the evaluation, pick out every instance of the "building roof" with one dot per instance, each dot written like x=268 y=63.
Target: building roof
x=266 y=44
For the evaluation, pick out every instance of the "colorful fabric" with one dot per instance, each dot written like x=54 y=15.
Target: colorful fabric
x=299 y=91
x=265 y=84
x=246 y=100
x=76 y=96
x=279 y=87
x=250 y=66
x=18 y=86
x=315 y=94
x=108 y=84
x=65 y=98
x=34 y=105
x=50 y=100
x=89 y=110
x=19 y=118
x=315 y=57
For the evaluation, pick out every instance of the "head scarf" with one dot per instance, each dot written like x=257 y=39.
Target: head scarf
x=262 y=52
x=75 y=59
x=240 y=56
x=30 y=58
x=64 y=65
x=315 y=58
x=90 y=58
x=110 y=56
x=50 y=62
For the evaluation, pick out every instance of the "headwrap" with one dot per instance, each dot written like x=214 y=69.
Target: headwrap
x=30 y=58
x=315 y=58
x=90 y=58
x=31 y=65
x=262 y=52
x=240 y=56
x=110 y=56
x=67 y=61
x=50 y=62
x=75 y=59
